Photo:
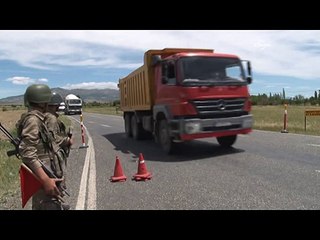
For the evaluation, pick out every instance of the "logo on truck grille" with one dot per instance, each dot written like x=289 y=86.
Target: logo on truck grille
x=221 y=105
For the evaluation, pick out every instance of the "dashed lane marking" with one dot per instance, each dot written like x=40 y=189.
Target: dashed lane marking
x=314 y=145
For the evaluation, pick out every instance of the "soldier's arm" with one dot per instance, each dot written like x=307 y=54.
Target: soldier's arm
x=67 y=137
x=48 y=184
x=29 y=141
x=53 y=125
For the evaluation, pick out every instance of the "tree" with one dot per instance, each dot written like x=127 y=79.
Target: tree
x=315 y=95
x=298 y=99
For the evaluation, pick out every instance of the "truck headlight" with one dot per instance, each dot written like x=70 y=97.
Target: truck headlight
x=192 y=127
x=247 y=123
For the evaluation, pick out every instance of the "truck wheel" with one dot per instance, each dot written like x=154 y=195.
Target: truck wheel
x=136 y=127
x=127 y=125
x=227 y=141
x=164 y=137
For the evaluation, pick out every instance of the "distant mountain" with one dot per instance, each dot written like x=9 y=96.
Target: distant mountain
x=87 y=95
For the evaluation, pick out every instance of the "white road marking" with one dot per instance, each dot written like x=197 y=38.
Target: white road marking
x=105 y=125
x=314 y=145
x=83 y=183
x=92 y=189
x=89 y=169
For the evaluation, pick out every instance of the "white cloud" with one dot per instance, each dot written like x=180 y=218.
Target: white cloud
x=25 y=80
x=20 y=80
x=293 y=53
x=42 y=80
x=92 y=85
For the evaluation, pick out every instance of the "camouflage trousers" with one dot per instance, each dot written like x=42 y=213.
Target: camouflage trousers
x=41 y=201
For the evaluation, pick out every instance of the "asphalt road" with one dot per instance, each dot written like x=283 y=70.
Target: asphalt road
x=264 y=170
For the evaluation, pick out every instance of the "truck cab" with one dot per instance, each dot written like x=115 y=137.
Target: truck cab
x=73 y=105
x=184 y=94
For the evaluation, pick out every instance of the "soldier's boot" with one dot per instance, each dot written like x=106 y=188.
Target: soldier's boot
x=65 y=206
x=51 y=205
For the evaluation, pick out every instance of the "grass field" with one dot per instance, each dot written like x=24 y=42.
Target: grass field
x=9 y=167
x=103 y=110
x=271 y=118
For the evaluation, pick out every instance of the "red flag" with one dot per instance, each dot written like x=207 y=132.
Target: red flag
x=29 y=184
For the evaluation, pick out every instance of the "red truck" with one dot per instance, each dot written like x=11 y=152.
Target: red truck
x=184 y=94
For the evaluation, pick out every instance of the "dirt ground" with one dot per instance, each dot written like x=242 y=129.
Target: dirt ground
x=8 y=120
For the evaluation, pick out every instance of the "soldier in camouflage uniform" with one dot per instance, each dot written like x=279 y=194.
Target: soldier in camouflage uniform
x=59 y=134
x=35 y=146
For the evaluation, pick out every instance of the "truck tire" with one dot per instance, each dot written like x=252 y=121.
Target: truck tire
x=137 y=131
x=165 y=140
x=127 y=125
x=227 y=141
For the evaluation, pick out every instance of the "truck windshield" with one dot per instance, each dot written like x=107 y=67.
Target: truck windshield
x=75 y=101
x=199 y=71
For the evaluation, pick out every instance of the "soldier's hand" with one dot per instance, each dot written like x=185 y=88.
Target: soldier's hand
x=71 y=141
x=50 y=187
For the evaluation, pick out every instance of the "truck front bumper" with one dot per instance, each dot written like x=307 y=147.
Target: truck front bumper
x=187 y=129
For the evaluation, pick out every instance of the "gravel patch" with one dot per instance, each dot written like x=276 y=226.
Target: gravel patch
x=12 y=201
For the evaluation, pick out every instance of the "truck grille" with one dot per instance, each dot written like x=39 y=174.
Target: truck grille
x=220 y=108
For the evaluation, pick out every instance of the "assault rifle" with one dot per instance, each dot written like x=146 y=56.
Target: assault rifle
x=16 y=142
x=69 y=134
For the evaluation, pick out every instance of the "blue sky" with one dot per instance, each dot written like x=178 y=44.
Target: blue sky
x=96 y=59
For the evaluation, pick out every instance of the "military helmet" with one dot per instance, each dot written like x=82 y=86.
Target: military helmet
x=25 y=101
x=56 y=99
x=37 y=93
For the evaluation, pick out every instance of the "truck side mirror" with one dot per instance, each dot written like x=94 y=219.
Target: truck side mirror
x=249 y=77
x=155 y=60
x=249 y=68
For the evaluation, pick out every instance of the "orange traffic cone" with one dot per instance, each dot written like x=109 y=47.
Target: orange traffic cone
x=118 y=173
x=142 y=173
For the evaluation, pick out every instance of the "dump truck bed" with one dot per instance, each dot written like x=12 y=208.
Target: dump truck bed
x=135 y=91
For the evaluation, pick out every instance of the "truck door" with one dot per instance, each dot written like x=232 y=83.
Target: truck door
x=166 y=89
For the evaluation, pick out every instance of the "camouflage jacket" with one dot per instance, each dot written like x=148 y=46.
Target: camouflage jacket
x=57 y=130
x=34 y=140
